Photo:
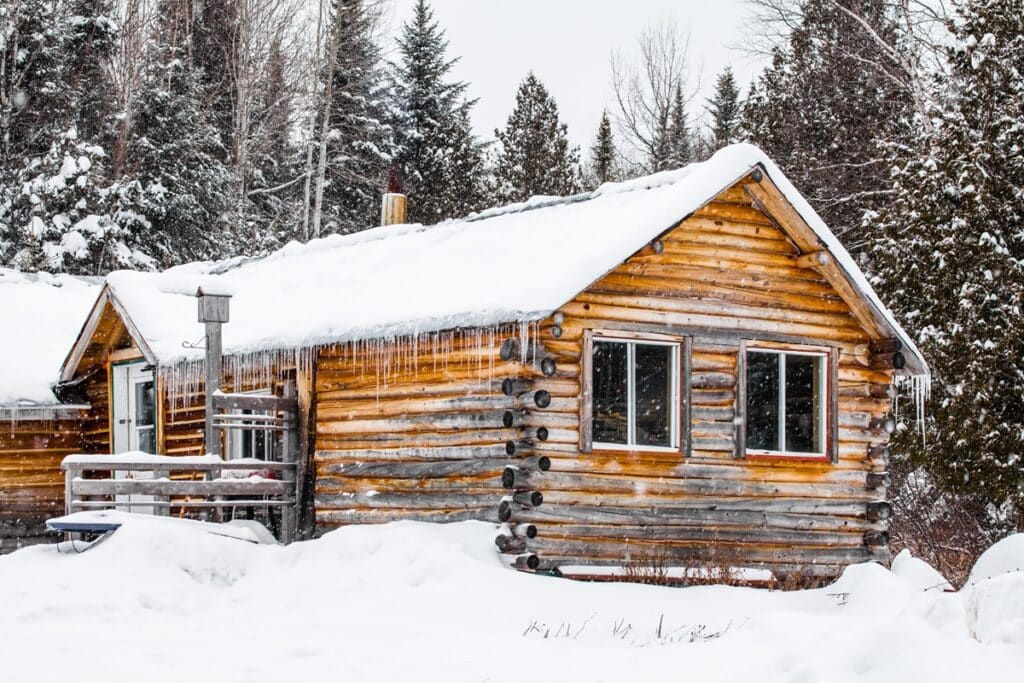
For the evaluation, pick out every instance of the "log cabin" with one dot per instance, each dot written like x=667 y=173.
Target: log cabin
x=678 y=371
x=42 y=313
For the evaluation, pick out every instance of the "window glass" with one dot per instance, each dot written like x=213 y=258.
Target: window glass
x=803 y=404
x=653 y=395
x=763 y=401
x=611 y=392
x=785 y=402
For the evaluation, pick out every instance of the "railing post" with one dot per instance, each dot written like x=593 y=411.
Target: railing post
x=289 y=448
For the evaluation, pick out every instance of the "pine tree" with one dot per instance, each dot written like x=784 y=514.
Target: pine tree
x=824 y=109
x=724 y=109
x=678 y=142
x=950 y=259
x=214 y=55
x=171 y=205
x=435 y=150
x=603 y=164
x=358 y=143
x=535 y=157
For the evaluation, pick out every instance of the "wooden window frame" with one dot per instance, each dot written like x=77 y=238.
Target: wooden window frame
x=830 y=404
x=681 y=421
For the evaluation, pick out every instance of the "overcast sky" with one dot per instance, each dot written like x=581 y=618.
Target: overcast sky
x=568 y=44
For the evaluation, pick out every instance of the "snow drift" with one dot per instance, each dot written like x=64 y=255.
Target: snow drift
x=169 y=601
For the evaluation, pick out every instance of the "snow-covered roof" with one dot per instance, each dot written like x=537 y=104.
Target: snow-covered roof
x=42 y=313
x=514 y=263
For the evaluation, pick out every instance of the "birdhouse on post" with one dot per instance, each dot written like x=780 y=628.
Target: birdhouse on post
x=213 y=312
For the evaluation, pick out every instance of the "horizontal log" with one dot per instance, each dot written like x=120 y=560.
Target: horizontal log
x=520 y=447
x=888 y=361
x=516 y=387
x=410 y=470
x=524 y=530
x=698 y=533
x=326 y=519
x=505 y=511
x=539 y=463
x=885 y=346
x=885 y=424
x=515 y=478
x=880 y=453
x=527 y=562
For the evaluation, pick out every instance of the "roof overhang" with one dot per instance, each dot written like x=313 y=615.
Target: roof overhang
x=72 y=362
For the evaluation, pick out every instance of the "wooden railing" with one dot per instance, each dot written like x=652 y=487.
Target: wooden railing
x=166 y=484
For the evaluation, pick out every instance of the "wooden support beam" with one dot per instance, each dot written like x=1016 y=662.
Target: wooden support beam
x=815 y=259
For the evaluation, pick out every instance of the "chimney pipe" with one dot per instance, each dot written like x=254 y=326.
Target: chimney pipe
x=392 y=207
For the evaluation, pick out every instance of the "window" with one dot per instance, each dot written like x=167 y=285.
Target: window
x=251 y=443
x=635 y=389
x=785 y=404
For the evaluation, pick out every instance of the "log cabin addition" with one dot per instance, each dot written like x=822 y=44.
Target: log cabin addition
x=42 y=312
x=692 y=371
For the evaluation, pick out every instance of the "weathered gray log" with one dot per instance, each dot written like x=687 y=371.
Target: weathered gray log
x=531 y=499
x=780 y=512
x=888 y=361
x=410 y=470
x=516 y=386
x=877 y=479
x=525 y=530
x=510 y=544
x=513 y=418
x=882 y=391
x=875 y=538
x=510 y=350
x=879 y=453
x=519 y=447
x=504 y=511
x=541 y=463
x=514 y=478
x=542 y=399
x=154 y=487
x=885 y=424
x=879 y=511
x=526 y=562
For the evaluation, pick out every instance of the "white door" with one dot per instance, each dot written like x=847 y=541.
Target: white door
x=134 y=406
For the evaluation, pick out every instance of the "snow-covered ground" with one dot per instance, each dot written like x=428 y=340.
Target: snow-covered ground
x=167 y=601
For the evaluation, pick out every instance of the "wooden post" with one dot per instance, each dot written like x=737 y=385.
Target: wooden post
x=289 y=455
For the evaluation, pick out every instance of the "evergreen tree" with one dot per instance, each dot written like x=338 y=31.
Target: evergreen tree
x=359 y=143
x=171 y=205
x=603 y=164
x=724 y=108
x=214 y=54
x=679 y=144
x=951 y=256
x=823 y=110
x=435 y=149
x=535 y=157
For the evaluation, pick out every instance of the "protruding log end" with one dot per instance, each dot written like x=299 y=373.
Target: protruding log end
x=879 y=453
x=504 y=511
x=877 y=479
x=528 y=561
x=518 y=448
x=542 y=399
x=886 y=424
x=525 y=530
x=888 y=361
x=555 y=331
x=541 y=463
x=879 y=512
x=558 y=317
x=876 y=539
x=510 y=544
x=548 y=367
x=885 y=346
x=514 y=387
x=756 y=175
x=509 y=349
x=542 y=434
x=512 y=418
x=529 y=498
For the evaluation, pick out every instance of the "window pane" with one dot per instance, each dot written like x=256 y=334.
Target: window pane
x=803 y=404
x=762 y=401
x=147 y=439
x=653 y=395
x=145 y=403
x=610 y=393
